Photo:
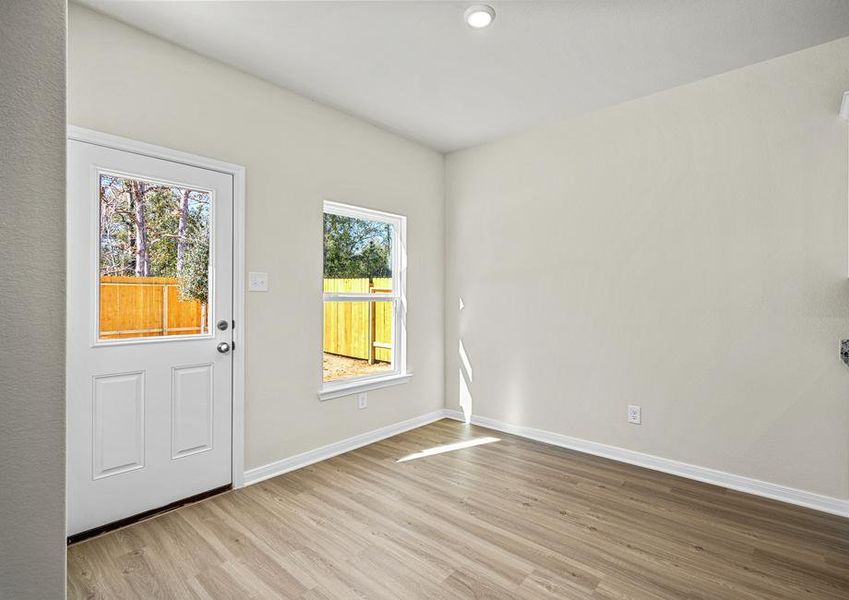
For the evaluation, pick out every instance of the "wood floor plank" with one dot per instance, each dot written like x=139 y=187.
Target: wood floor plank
x=511 y=518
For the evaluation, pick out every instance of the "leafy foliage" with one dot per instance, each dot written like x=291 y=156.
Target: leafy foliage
x=194 y=279
x=140 y=221
x=356 y=248
x=161 y=224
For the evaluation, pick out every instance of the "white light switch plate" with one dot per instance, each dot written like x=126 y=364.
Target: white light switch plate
x=257 y=282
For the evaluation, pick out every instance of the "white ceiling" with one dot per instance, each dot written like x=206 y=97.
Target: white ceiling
x=417 y=69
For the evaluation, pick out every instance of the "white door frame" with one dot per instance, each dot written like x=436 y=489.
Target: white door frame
x=238 y=172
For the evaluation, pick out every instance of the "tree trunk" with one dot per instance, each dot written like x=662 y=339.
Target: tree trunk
x=137 y=190
x=131 y=225
x=182 y=231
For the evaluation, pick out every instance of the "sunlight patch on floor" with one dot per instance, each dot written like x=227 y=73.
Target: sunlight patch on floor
x=449 y=448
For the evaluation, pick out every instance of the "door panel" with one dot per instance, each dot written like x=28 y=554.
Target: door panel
x=150 y=246
x=193 y=410
x=118 y=431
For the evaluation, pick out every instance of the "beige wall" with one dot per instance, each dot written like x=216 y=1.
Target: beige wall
x=32 y=299
x=686 y=252
x=297 y=153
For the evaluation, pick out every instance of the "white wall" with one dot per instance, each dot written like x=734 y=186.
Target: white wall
x=297 y=153
x=32 y=299
x=686 y=252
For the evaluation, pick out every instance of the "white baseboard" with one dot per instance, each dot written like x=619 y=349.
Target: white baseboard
x=835 y=506
x=312 y=456
x=774 y=491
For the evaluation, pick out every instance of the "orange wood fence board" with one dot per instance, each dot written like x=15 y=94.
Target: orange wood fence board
x=145 y=306
x=348 y=325
x=151 y=306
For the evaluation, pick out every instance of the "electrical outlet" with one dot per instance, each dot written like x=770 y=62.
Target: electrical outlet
x=634 y=414
x=257 y=282
x=362 y=400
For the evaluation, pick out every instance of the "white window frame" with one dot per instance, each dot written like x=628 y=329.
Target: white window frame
x=399 y=374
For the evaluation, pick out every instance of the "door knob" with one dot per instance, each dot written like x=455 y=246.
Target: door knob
x=223 y=347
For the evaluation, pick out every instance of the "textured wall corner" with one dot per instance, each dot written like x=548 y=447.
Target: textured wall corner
x=32 y=298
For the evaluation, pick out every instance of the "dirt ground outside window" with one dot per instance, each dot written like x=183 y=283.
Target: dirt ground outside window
x=341 y=367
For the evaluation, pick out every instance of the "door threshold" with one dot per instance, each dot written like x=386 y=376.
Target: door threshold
x=148 y=514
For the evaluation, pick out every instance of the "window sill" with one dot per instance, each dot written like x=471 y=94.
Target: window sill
x=355 y=387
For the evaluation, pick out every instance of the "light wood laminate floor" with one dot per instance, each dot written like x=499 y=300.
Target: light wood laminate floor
x=506 y=519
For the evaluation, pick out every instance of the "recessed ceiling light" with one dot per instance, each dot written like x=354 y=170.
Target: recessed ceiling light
x=479 y=16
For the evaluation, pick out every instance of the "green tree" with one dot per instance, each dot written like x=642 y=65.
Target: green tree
x=162 y=229
x=356 y=248
x=155 y=230
x=194 y=278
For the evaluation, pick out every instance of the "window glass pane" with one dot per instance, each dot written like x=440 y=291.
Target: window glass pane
x=357 y=255
x=357 y=339
x=154 y=259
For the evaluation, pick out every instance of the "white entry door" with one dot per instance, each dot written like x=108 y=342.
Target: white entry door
x=149 y=334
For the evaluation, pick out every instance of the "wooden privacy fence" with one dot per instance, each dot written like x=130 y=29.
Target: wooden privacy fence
x=147 y=306
x=133 y=307
x=359 y=329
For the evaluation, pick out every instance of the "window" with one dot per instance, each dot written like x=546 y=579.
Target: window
x=363 y=338
x=153 y=262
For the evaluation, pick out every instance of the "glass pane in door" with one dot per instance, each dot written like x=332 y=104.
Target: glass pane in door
x=154 y=259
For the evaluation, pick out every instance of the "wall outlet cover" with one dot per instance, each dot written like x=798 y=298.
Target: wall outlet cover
x=634 y=414
x=257 y=282
x=362 y=400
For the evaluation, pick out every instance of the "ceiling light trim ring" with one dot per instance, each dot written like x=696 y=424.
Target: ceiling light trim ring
x=479 y=16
